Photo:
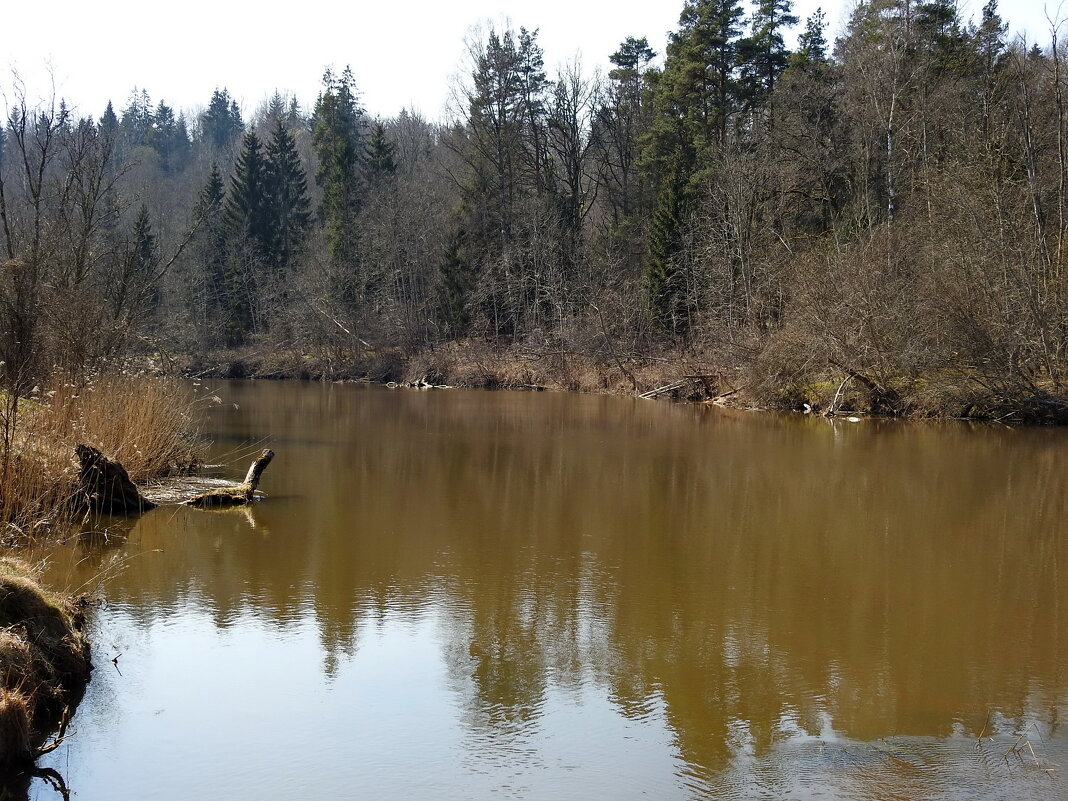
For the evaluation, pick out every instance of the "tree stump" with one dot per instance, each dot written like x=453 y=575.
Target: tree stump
x=104 y=485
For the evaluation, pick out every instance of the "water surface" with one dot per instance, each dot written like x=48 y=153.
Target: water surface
x=464 y=595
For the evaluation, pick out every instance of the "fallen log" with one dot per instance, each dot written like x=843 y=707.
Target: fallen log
x=235 y=496
x=105 y=487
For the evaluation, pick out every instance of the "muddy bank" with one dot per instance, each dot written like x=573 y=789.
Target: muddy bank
x=44 y=666
x=690 y=375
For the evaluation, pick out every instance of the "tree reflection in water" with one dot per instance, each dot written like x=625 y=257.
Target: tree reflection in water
x=785 y=595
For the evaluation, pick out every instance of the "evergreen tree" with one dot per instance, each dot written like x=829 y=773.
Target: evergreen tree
x=989 y=37
x=210 y=200
x=169 y=138
x=763 y=54
x=534 y=85
x=620 y=124
x=221 y=123
x=247 y=220
x=698 y=91
x=135 y=293
x=137 y=118
x=457 y=278
x=696 y=96
x=337 y=136
x=212 y=237
x=662 y=275
x=812 y=43
x=247 y=210
x=109 y=123
x=289 y=210
x=381 y=163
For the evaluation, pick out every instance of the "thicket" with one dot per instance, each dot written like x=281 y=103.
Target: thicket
x=884 y=216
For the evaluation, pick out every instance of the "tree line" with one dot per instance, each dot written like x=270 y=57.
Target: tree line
x=888 y=209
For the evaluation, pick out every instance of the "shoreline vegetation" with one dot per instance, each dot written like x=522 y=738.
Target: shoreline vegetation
x=681 y=376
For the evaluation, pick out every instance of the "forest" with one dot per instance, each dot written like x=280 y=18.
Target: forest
x=880 y=221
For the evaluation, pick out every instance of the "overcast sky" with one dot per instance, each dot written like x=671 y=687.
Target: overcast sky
x=403 y=54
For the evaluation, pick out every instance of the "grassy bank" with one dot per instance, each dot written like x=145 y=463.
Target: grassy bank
x=757 y=382
x=146 y=423
x=44 y=664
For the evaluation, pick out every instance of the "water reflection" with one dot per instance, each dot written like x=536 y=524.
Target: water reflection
x=754 y=603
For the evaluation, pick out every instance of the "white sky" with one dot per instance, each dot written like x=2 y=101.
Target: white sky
x=403 y=54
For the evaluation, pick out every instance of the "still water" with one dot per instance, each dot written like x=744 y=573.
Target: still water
x=465 y=595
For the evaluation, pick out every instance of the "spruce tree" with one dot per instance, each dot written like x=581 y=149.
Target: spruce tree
x=109 y=123
x=221 y=123
x=337 y=136
x=696 y=96
x=169 y=138
x=136 y=122
x=247 y=203
x=661 y=275
x=381 y=163
x=457 y=278
x=211 y=242
x=289 y=211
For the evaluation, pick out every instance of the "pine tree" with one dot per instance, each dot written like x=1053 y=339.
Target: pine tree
x=699 y=88
x=620 y=123
x=763 y=54
x=812 y=43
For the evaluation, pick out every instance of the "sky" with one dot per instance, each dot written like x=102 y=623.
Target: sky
x=403 y=54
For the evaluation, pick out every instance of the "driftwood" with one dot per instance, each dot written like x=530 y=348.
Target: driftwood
x=104 y=485
x=235 y=496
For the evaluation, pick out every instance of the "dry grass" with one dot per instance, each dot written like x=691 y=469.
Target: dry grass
x=44 y=662
x=145 y=423
x=475 y=364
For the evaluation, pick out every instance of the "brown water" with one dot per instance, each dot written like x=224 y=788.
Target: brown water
x=463 y=595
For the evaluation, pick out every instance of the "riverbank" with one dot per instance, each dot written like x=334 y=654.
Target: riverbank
x=683 y=375
x=147 y=423
x=44 y=665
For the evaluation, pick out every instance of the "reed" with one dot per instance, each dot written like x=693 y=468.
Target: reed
x=148 y=424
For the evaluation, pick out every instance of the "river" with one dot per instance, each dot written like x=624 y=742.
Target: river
x=469 y=595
